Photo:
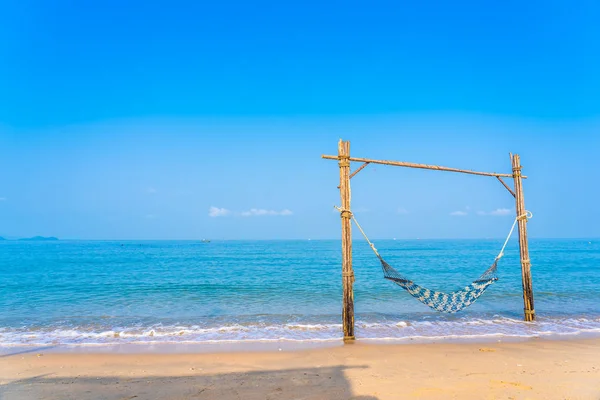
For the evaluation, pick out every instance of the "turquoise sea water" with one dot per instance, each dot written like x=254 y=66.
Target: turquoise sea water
x=83 y=293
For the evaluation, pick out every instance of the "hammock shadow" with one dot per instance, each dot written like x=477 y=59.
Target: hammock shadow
x=309 y=383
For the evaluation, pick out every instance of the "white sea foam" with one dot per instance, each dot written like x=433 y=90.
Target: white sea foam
x=388 y=330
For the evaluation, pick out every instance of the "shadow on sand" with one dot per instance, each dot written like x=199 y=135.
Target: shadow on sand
x=310 y=384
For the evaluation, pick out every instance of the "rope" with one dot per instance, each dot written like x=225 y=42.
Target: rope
x=525 y=216
x=349 y=214
x=360 y=229
x=499 y=256
x=344 y=161
x=346 y=214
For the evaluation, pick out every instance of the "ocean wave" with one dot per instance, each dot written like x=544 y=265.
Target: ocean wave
x=388 y=330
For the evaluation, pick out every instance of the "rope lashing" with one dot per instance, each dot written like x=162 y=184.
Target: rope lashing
x=527 y=216
x=344 y=213
x=517 y=172
x=344 y=161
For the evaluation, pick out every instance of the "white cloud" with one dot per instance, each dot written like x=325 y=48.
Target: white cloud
x=458 y=214
x=402 y=211
x=501 y=212
x=253 y=212
x=259 y=212
x=218 y=212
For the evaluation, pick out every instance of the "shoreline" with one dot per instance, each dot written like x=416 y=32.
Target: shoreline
x=534 y=369
x=277 y=345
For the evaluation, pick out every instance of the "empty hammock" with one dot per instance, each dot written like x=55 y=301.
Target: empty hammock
x=440 y=301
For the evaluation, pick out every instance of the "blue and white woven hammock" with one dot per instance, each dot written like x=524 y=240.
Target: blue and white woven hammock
x=440 y=301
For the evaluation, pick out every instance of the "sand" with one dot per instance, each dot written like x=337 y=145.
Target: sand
x=535 y=369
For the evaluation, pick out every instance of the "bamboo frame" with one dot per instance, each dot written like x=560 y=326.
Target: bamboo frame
x=344 y=160
x=347 y=271
x=528 y=308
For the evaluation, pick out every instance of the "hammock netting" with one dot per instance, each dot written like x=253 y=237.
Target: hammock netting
x=440 y=301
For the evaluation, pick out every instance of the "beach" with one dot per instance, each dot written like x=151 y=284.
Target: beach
x=532 y=369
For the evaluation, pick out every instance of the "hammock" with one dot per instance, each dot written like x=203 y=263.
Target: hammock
x=440 y=301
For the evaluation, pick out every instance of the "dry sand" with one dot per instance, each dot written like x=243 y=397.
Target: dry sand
x=536 y=369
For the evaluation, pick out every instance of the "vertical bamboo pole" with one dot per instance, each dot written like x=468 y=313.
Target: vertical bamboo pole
x=347 y=272
x=529 y=309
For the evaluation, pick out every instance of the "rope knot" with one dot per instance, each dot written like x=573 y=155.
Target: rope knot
x=527 y=216
x=344 y=213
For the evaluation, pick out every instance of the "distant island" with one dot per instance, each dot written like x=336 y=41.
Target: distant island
x=40 y=238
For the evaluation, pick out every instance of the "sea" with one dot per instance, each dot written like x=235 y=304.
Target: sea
x=106 y=293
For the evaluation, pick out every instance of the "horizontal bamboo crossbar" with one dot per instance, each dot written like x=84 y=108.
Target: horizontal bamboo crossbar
x=421 y=166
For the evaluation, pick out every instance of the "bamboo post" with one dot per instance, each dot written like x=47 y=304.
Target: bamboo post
x=347 y=272
x=529 y=309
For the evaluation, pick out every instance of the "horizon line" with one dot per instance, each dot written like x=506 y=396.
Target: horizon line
x=276 y=239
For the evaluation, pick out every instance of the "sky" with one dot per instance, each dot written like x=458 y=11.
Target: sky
x=191 y=120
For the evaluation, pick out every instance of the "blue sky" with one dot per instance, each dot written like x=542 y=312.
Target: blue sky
x=185 y=120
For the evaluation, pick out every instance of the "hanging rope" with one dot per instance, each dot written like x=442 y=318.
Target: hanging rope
x=359 y=228
x=528 y=215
